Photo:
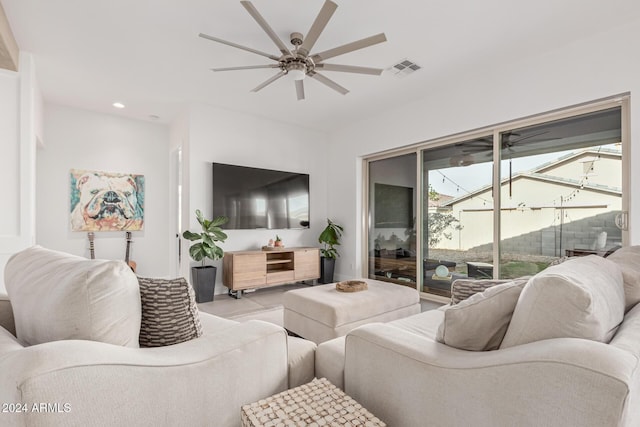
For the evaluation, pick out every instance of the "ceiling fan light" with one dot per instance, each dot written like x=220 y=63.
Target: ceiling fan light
x=296 y=74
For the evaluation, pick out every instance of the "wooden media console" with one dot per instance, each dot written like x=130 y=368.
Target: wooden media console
x=244 y=270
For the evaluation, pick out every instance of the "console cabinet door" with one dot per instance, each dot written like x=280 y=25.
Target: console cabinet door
x=248 y=270
x=307 y=264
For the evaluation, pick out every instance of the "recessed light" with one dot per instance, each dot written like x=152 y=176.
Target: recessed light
x=118 y=104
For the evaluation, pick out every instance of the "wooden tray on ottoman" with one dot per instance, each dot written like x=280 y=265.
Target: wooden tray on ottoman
x=351 y=286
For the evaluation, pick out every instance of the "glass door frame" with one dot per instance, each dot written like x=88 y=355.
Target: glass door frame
x=621 y=100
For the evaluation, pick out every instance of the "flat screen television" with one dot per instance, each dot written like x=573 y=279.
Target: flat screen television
x=260 y=198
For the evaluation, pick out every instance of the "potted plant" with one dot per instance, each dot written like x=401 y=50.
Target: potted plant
x=330 y=238
x=204 y=276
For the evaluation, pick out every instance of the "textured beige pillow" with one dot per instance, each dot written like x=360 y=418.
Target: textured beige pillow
x=628 y=259
x=580 y=298
x=479 y=322
x=58 y=296
x=169 y=312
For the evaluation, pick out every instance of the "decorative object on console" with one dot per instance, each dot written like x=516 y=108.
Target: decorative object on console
x=278 y=243
x=298 y=63
x=169 y=312
x=204 y=276
x=106 y=201
x=351 y=286
x=330 y=238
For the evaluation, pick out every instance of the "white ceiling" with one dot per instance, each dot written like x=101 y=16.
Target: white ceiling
x=147 y=53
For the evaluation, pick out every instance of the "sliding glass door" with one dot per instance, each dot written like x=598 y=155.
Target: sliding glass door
x=457 y=213
x=392 y=213
x=501 y=202
x=561 y=190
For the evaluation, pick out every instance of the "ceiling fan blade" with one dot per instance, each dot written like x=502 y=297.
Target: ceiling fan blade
x=247 y=67
x=266 y=27
x=300 y=89
x=317 y=27
x=350 y=69
x=268 y=82
x=324 y=80
x=522 y=138
x=232 y=44
x=349 y=47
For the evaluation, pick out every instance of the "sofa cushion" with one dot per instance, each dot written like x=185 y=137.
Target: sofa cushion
x=169 y=312
x=479 y=322
x=301 y=355
x=461 y=289
x=628 y=259
x=58 y=296
x=580 y=298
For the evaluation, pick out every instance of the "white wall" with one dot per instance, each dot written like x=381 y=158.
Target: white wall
x=597 y=67
x=223 y=136
x=20 y=121
x=79 y=139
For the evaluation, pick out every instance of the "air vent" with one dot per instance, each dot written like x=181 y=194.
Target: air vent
x=404 y=68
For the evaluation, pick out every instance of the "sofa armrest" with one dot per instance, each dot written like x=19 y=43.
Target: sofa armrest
x=405 y=379
x=199 y=382
x=6 y=314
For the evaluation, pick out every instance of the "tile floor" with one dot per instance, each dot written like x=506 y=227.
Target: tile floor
x=263 y=304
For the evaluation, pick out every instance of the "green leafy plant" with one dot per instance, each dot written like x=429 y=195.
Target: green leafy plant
x=211 y=233
x=330 y=237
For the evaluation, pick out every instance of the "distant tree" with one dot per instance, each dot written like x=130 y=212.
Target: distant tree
x=434 y=196
x=440 y=226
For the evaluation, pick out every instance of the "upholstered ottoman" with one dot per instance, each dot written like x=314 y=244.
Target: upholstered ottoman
x=321 y=313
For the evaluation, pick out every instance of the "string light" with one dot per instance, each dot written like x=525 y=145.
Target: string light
x=459 y=187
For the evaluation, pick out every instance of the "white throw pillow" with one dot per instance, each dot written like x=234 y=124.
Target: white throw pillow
x=580 y=298
x=479 y=322
x=58 y=296
x=628 y=259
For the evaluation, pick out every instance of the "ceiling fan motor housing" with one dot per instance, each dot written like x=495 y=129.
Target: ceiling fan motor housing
x=296 y=39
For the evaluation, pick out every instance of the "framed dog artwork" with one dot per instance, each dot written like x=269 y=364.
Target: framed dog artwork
x=106 y=201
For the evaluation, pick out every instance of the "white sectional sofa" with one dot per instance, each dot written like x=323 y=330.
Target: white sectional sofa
x=582 y=373
x=50 y=380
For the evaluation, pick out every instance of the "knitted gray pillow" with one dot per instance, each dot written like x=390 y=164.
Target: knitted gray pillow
x=169 y=312
x=461 y=289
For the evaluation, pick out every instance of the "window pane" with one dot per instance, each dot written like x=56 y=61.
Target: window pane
x=561 y=189
x=392 y=212
x=457 y=213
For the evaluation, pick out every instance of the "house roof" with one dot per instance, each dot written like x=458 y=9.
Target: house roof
x=538 y=174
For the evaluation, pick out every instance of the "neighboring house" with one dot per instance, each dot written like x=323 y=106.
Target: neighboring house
x=553 y=199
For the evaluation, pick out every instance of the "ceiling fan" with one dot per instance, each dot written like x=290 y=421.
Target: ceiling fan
x=507 y=142
x=299 y=62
